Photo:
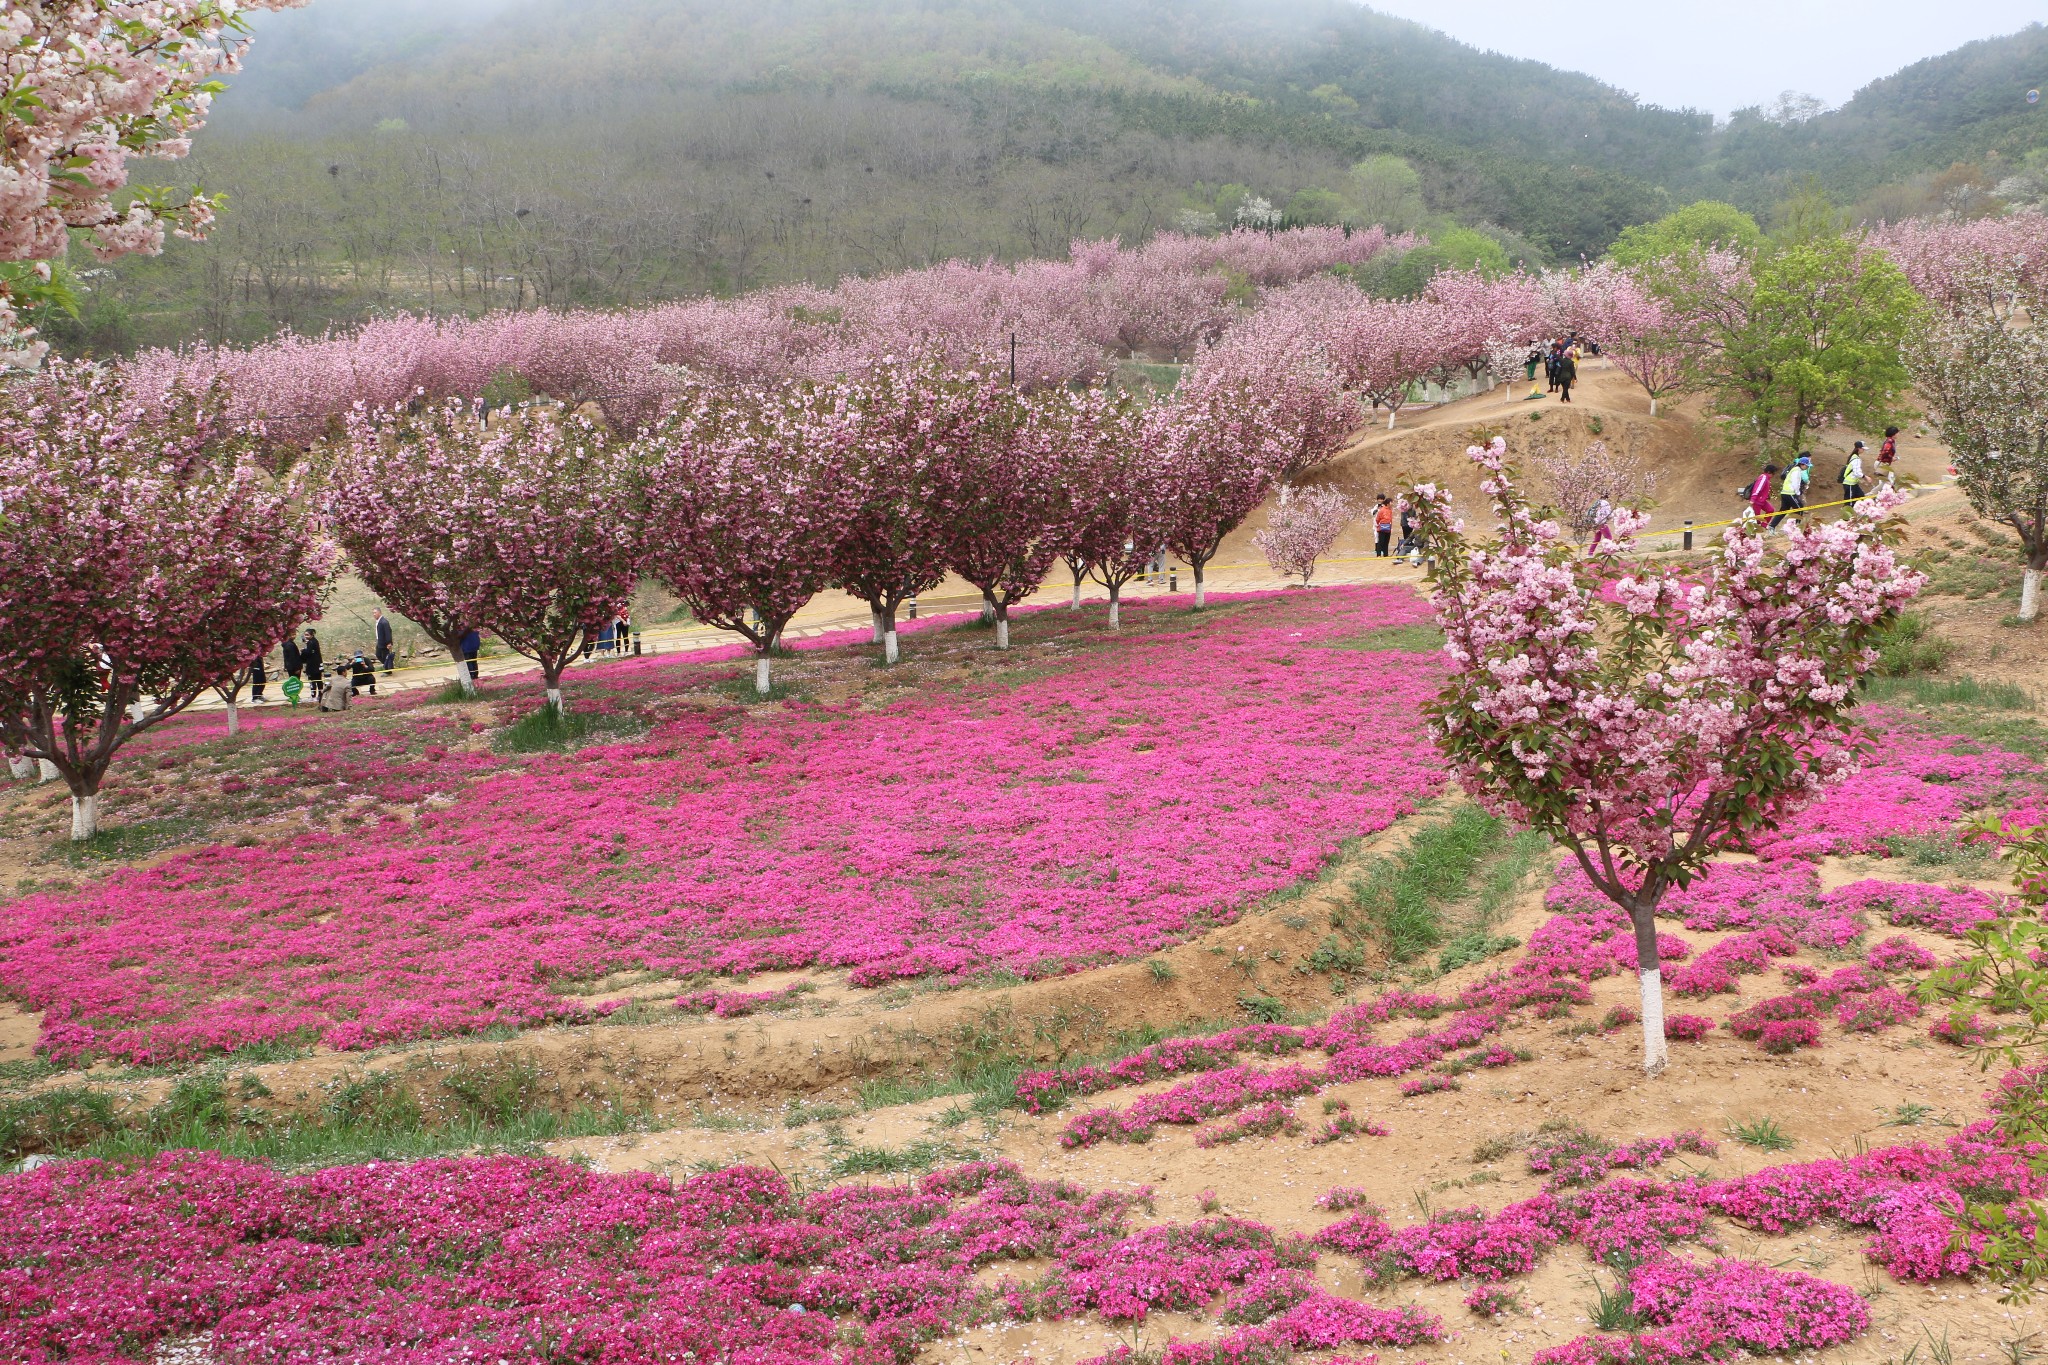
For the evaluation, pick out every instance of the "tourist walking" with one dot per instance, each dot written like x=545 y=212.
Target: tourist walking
x=1382 y=526
x=386 y=655
x=1791 y=491
x=1567 y=375
x=1603 y=512
x=1852 y=475
x=472 y=645
x=1887 y=456
x=1759 y=494
x=257 y=678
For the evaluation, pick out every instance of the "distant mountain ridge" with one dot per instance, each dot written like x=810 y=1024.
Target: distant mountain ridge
x=488 y=153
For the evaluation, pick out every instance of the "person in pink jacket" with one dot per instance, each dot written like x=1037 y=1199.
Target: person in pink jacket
x=1760 y=493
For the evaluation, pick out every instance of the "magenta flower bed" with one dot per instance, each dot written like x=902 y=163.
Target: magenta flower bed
x=517 y=1260
x=1123 y=798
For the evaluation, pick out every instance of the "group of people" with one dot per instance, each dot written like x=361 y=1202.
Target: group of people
x=305 y=663
x=1792 y=483
x=1560 y=362
x=1384 y=517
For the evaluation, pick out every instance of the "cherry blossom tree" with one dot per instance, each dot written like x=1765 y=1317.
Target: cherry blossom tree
x=1578 y=482
x=915 y=424
x=1002 y=518
x=1116 y=500
x=1383 y=347
x=88 y=86
x=144 y=557
x=1301 y=530
x=750 y=494
x=1219 y=457
x=1649 y=718
x=398 y=499
x=562 y=502
x=1982 y=367
x=1639 y=332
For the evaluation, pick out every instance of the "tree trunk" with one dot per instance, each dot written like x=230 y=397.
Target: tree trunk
x=462 y=678
x=1115 y=618
x=48 y=769
x=888 y=635
x=1002 y=628
x=1392 y=413
x=85 y=817
x=1653 y=405
x=555 y=701
x=234 y=718
x=988 y=607
x=21 y=767
x=875 y=613
x=2030 y=593
x=762 y=684
x=1201 y=589
x=1079 y=574
x=1651 y=979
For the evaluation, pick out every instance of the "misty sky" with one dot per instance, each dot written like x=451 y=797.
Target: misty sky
x=1720 y=55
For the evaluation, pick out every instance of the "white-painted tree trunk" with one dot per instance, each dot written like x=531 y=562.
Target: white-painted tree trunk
x=22 y=767
x=1075 y=605
x=555 y=700
x=85 y=817
x=761 y=683
x=1655 y=1052
x=48 y=770
x=1653 y=407
x=889 y=654
x=1391 y=414
x=875 y=613
x=1201 y=594
x=988 y=607
x=2030 y=594
x=1002 y=632
x=462 y=678
x=234 y=719
x=1115 y=617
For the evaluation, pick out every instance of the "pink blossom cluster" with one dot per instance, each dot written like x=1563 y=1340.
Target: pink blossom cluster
x=1572 y=1156
x=1101 y=811
x=1268 y=1120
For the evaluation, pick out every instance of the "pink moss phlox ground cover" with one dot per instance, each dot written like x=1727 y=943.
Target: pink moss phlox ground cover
x=1952 y=911
x=525 y=1260
x=735 y=1004
x=1096 y=810
x=1702 y=1313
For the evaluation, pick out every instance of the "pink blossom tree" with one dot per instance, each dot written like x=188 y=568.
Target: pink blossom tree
x=1647 y=718
x=1382 y=348
x=1301 y=530
x=1115 y=502
x=144 y=557
x=1637 y=330
x=562 y=503
x=750 y=494
x=1219 y=459
x=916 y=422
x=1982 y=366
x=398 y=497
x=1578 y=482
x=1003 y=511
x=85 y=87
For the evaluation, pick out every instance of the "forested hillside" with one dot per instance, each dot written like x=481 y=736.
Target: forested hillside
x=518 y=153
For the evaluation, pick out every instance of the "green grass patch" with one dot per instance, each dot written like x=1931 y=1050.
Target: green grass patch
x=127 y=842
x=915 y=1156
x=1418 y=639
x=1909 y=645
x=1945 y=692
x=1404 y=899
x=1765 y=1134
x=367 y=1118
x=547 y=730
